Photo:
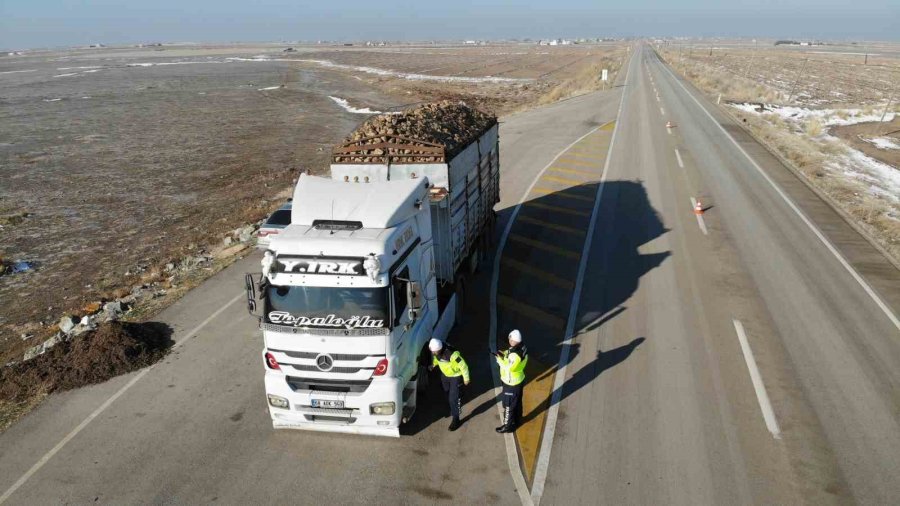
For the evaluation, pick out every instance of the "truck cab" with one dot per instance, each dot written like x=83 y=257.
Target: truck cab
x=349 y=301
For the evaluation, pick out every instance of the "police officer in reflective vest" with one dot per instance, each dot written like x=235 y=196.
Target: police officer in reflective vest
x=512 y=373
x=453 y=372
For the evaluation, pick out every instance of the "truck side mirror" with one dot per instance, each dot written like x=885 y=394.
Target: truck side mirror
x=414 y=297
x=250 y=284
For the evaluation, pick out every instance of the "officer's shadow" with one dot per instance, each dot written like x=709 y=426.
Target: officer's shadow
x=589 y=372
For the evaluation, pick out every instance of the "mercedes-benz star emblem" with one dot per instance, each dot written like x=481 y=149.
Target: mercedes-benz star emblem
x=324 y=362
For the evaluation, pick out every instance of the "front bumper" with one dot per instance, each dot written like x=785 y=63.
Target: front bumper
x=354 y=418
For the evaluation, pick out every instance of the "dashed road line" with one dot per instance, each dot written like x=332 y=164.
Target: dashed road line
x=678 y=156
x=549 y=248
x=755 y=377
x=540 y=274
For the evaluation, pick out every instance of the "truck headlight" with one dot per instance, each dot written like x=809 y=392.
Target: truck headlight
x=278 y=402
x=382 y=408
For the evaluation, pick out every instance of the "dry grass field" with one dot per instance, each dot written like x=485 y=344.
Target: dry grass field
x=820 y=108
x=126 y=167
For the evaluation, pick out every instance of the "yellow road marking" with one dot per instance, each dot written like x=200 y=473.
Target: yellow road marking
x=609 y=127
x=553 y=279
x=557 y=209
x=599 y=156
x=562 y=193
x=573 y=161
x=529 y=311
x=562 y=180
x=574 y=171
x=552 y=226
x=535 y=404
x=546 y=247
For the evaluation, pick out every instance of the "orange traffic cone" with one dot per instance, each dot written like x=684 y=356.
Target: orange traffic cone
x=698 y=209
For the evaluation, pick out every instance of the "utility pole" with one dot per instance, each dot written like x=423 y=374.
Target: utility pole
x=866 y=62
x=710 y=51
x=796 y=81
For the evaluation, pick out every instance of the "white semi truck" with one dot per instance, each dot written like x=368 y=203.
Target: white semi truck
x=374 y=264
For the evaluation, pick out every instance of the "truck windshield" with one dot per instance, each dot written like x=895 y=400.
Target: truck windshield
x=327 y=307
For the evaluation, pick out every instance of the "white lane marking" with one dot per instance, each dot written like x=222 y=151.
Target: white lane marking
x=761 y=395
x=59 y=446
x=543 y=459
x=818 y=233
x=699 y=217
x=662 y=111
x=669 y=130
x=678 y=156
x=657 y=98
x=512 y=456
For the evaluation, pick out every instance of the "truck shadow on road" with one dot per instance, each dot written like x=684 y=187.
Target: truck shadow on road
x=536 y=286
x=621 y=254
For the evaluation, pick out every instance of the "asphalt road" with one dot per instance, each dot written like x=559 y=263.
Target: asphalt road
x=658 y=404
x=194 y=428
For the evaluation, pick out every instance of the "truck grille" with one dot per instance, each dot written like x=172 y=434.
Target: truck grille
x=342 y=370
x=328 y=385
x=313 y=354
x=325 y=332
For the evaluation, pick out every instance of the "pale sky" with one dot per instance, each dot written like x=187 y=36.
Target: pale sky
x=49 y=23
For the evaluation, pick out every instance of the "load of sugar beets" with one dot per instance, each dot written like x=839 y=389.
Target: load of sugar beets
x=450 y=124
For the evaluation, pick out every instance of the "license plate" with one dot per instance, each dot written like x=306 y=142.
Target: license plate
x=323 y=403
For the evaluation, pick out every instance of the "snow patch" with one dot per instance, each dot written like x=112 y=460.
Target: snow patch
x=349 y=108
x=269 y=88
x=828 y=117
x=884 y=142
x=884 y=179
x=387 y=72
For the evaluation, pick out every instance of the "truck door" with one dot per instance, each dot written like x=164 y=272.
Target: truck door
x=401 y=323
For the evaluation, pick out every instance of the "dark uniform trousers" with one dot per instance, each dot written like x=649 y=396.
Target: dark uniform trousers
x=512 y=404
x=453 y=386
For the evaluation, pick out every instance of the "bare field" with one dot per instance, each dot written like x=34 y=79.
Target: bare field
x=117 y=161
x=820 y=108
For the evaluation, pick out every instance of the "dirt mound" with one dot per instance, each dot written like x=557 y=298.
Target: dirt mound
x=450 y=124
x=114 y=348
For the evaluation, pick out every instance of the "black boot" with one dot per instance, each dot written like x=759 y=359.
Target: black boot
x=502 y=429
x=454 y=425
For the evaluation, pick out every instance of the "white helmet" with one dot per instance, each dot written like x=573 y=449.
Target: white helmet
x=515 y=336
x=435 y=345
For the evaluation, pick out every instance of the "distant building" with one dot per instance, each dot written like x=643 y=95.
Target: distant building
x=471 y=42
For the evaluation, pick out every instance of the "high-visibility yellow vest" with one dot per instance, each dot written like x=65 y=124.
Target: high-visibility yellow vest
x=453 y=367
x=512 y=366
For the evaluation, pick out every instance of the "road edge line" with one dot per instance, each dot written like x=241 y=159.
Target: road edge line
x=543 y=458
x=818 y=233
x=106 y=404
